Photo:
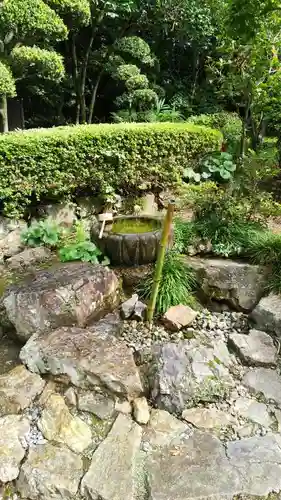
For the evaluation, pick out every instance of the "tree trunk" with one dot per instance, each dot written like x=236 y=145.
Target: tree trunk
x=94 y=97
x=75 y=79
x=4 y=113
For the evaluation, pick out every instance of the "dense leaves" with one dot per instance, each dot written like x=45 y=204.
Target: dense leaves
x=105 y=158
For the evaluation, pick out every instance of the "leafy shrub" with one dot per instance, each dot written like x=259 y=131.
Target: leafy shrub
x=86 y=251
x=177 y=284
x=230 y=124
x=44 y=232
x=220 y=167
x=121 y=157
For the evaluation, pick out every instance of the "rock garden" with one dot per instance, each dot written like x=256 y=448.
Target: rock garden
x=100 y=405
x=110 y=391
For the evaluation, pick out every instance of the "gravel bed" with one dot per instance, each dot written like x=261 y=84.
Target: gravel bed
x=216 y=325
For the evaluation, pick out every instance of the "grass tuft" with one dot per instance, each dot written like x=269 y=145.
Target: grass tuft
x=178 y=282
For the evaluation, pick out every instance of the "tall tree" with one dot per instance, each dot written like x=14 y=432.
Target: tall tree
x=22 y=24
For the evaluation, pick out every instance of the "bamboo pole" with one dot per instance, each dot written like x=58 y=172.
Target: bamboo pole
x=166 y=231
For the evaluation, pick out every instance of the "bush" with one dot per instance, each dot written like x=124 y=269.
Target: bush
x=230 y=125
x=125 y=158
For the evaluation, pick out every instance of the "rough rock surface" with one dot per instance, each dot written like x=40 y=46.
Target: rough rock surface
x=180 y=375
x=90 y=357
x=267 y=314
x=253 y=410
x=10 y=237
x=139 y=311
x=28 y=257
x=50 y=472
x=18 y=388
x=163 y=428
x=239 y=284
x=191 y=468
x=257 y=348
x=128 y=307
x=101 y=405
x=57 y=424
x=258 y=463
x=207 y=418
x=13 y=429
x=178 y=317
x=141 y=410
x=66 y=295
x=112 y=471
x=264 y=381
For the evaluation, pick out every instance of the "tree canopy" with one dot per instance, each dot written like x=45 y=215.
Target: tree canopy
x=76 y=61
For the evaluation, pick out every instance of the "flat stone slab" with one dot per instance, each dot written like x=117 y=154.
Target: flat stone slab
x=207 y=418
x=71 y=294
x=194 y=468
x=253 y=410
x=50 y=472
x=90 y=357
x=111 y=475
x=57 y=424
x=256 y=348
x=18 y=388
x=267 y=314
x=13 y=429
x=265 y=381
x=258 y=462
x=199 y=468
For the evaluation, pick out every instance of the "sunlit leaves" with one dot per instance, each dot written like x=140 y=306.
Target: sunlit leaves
x=7 y=84
x=32 y=19
x=46 y=64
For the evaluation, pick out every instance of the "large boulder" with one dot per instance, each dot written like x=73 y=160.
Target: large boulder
x=238 y=284
x=267 y=314
x=92 y=357
x=66 y=295
x=181 y=375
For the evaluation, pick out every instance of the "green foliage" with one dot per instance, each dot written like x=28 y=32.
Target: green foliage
x=136 y=47
x=27 y=61
x=177 y=284
x=7 y=83
x=74 y=12
x=86 y=251
x=220 y=167
x=120 y=158
x=184 y=234
x=137 y=82
x=126 y=71
x=144 y=98
x=31 y=19
x=42 y=233
x=230 y=124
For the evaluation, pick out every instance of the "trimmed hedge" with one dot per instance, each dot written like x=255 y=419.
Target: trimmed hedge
x=124 y=158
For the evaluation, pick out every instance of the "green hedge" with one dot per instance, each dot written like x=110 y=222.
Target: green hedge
x=124 y=158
